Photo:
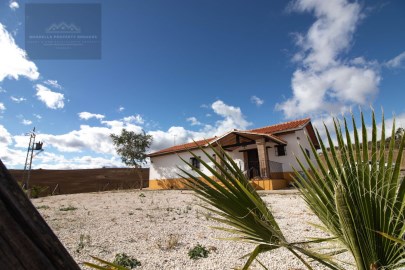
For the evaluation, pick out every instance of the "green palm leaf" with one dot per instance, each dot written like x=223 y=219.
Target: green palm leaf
x=241 y=209
x=365 y=195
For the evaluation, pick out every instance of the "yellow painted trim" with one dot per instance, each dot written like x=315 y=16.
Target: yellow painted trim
x=177 y=183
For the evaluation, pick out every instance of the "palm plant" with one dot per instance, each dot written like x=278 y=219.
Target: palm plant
x=240 y=207
x=359 y=198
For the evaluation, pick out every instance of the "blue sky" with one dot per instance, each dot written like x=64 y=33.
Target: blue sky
x=183 y=70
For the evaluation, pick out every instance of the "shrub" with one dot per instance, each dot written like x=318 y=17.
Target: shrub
x=68 y=208
x=198 y=252
x=36 y=191
x=124 y=260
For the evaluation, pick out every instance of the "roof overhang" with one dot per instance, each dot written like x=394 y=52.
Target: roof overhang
x=235 y=139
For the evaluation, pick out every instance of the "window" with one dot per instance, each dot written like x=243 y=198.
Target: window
x=195 y=162
x=308 y=153
x=280 y=150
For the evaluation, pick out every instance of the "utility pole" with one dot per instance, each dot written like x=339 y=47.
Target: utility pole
x=32 y=146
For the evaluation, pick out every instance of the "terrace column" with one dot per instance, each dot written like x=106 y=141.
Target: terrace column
x=263 y=158
x=217 y=158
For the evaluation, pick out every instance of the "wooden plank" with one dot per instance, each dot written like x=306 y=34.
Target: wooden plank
x=26 y=241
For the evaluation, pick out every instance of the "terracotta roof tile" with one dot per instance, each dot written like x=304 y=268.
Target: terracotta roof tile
x=182 y=147
x=279 y=128
x=273 y=129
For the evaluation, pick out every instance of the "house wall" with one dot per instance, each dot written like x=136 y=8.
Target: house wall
x=167 y=167
x=293 y=150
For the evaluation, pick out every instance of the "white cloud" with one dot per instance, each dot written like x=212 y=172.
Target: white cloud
x=37 y=116
x=258 y=101
x=120 y=109
x=193 y=121
x=137 y=119
x=26 y=122
x=2 y=90
x=5 y=137
x=94 y=142
x=53 y=83
x=86 y=138
x=14 y=62
x=51 y=99
x=14 y=5
x=87 y=115
x=17 y=100
x=324 y=81
x=233 y=117
x=396 y=62
x=2 y=107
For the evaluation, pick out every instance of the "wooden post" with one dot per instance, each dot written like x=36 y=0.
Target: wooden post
x=26 y=241
x=263 y=158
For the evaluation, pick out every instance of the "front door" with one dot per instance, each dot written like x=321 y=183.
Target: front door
x=253 y=163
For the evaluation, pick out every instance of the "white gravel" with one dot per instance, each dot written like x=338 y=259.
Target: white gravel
x=148 y=224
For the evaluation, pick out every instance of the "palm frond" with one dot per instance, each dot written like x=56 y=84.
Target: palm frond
x=240 y=208
x=364 y=195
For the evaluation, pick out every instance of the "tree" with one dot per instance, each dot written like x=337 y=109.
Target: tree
x=132 y=148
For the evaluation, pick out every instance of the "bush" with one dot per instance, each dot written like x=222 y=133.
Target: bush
x=124 y=260
x=198 y=252
x=36 y=191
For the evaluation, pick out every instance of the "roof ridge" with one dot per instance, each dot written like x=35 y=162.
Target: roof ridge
x=279 y=124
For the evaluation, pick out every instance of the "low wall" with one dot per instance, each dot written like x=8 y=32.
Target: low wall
x=83 y=181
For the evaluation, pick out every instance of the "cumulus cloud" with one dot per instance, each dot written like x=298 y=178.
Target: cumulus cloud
x=17 y=100
x=324 y=81
x=13 y=5
x=257 y=101
x=5 y=136
x=397 y=62
x=86 y=138
x=233 y=117
x=14 y=62
x=52 y=100
x=2 y=107
x=2 y=90
x=37 y=116
x=94 y=142
x=120 y=109
x=26 y=122
x=87 y=115
x=137 y=119
x=53 y=83
x=193 y=121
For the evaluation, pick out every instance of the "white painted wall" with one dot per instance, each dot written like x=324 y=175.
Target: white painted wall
x=293 y=150
x=166 y=166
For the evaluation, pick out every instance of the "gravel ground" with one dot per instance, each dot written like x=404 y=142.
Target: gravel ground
x=159 y=227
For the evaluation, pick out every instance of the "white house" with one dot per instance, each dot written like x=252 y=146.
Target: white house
x=266 y=155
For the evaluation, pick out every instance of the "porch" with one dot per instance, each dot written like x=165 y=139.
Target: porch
x=251 y=151
x=265 y=176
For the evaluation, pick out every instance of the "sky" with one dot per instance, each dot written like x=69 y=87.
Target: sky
x=183 y=70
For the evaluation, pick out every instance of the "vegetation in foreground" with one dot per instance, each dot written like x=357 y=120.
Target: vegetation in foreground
x=360 y=200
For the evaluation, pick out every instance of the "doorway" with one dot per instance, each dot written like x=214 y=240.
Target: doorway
x=253 y=165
